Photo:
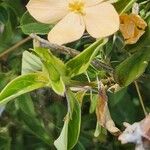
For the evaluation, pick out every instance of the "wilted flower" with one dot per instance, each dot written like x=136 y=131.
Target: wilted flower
x=132 y=27
x=99 y=18
x=138 y=133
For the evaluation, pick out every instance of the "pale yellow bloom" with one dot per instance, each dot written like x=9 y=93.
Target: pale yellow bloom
x=132 y=27
x=73 y=17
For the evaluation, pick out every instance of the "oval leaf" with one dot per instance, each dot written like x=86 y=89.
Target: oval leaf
x=21 y=85
x=55 y=69
x=81 y=62
x=133 y=67
x=30 y=25
x=71 y=129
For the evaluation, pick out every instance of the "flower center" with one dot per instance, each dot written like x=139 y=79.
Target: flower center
x=77 y=6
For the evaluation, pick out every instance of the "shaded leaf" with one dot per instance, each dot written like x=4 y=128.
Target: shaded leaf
x=25 y=103
x=74 y=123
x=119 y=101
x=133 y=67
x=3 y=15
x=36 y=127
x=5 y=139
x=123 y=6
x=29 y=25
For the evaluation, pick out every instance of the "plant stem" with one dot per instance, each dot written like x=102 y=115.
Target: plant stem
x=140 y=97
x=70 y=51
x=15 y=46
x=55 y=47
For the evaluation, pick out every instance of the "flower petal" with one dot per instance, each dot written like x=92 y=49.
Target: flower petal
x=47 y=11
x=101 y=20
x=138 y=33
x=69 y=29
x=92 y=2
x=95 y=2
x=139 y=22
x=127 y=30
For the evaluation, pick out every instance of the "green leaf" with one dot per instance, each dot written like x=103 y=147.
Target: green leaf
x=97 y=130
x=55 y=69
x=124 y=5
x=5 y=139
x=71 y=129
x=94 y=100
x=30 y=63
x=36 y=127
x=3 y=15
x=136 y=64
x=133 y=67
x=6 y=33
x=122 y=106
x=21 y=85
x=15 y=6
x=81 y=62
x=80 y=95
x=5 y=78
x=26 y=105
x=30 y=25
x=74 y=123
x=62 y=141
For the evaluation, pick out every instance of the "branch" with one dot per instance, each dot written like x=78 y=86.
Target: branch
x=69 y=51
x=55 y=47
x=14 y=47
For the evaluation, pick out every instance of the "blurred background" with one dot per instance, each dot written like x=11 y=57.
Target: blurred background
x=34 y=120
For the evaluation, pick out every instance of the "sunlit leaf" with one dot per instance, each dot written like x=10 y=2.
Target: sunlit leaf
x=62 y=141
x=71 y=129
x=81 y=62
x=21 y=85
x=30 y=63
x=94 y=100
x=55 y=69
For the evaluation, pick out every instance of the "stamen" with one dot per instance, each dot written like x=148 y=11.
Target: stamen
x=77 y=6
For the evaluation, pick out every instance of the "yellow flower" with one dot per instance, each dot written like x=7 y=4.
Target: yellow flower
x=132 y=27
x=72 y=17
